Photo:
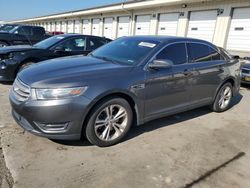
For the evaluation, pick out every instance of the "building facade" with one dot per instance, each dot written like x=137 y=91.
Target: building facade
x=226 y=23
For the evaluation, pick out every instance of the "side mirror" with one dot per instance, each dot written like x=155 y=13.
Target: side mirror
x=59 y=49
x=161 y=64
x=236 y=57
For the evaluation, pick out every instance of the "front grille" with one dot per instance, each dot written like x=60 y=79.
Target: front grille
x=21 y=91
x=246 y=71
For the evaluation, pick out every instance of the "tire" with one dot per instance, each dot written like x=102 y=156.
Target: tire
x=24 y=66
x=3 y=44
x=223 y=98
x=103 y=130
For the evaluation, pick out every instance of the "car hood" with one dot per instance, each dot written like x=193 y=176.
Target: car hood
x=246 y=66
x=70 y=72
x=17 y=48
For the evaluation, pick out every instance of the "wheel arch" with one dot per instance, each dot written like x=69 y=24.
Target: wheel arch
x=122 y=94
x=230 y=80
x=31 y=59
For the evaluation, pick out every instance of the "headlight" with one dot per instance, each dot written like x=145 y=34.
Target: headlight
x=49 y=94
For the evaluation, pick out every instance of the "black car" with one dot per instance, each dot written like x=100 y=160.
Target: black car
x=15 y=58
x=21 y=34
x=130 y=80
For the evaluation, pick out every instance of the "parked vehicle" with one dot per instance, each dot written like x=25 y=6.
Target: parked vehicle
x=130 y=80
x=7 y=27
x=13 y=59
x=56 y=33
x=245 y=74
x=21 y=34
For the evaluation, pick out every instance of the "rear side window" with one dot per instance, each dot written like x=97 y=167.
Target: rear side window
x=96 y=43
x=175 y=52
x=202 y=53
x=38 y=31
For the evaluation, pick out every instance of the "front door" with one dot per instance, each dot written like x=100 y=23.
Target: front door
x=168 y=89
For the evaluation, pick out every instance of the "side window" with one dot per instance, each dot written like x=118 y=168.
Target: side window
x=175 y=52
x=38 y=31
x=198 y=52
x=215 y=55
x=95 y=43
x=76 y=44
x=23 y=30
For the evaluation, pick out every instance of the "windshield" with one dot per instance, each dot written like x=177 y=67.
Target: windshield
x=47 y=43
x=129 y=51
x=7 y=28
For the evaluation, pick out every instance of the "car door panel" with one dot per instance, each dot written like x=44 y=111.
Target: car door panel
x=168 y=90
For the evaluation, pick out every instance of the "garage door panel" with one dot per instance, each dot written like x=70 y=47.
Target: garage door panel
x=96 y=27
x=70 y=28
x=239 y=32
x=142 y=25
x=123 y=26
x=85 y=27
x=202 y=25
x=77 y=26
x=168 y=24
x=108 y=28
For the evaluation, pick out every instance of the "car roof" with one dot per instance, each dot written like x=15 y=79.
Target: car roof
x=79 y=35
x=169 y=39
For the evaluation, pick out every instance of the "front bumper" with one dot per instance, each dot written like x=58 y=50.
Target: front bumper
x=54 y=119
x=8 y=70
x=243 y=78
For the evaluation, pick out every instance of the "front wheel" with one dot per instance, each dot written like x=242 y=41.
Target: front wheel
x=109 y=122
x=223 y=99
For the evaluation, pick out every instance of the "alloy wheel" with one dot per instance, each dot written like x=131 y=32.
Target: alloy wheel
x=111 y=122
x=225 y=97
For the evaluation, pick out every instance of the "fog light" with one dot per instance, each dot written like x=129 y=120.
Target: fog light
x=3 y=65
x=50 y=128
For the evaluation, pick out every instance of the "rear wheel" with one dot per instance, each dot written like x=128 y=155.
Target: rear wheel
x=223 y=99
x=24 y=66
x=109 y=122
x=3 y=44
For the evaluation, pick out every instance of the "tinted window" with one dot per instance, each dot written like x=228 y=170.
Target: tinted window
x=49 y=42
x=202 y=52
x=198 y=52
x=23 y=30
x=38 y=31
x=128 y=51
x=215 y=56
x=95 y=43
x=75 y=44
x=175 y=52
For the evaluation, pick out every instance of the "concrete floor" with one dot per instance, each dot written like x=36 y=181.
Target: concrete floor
x=192 y=149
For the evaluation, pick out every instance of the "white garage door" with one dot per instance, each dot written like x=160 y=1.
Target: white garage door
x=202 y=25
x=48 y=26
x=70 y=26
x=108 y=28
x=64 y=26
x=123 y=26
x=168 y=24
x=239 y=33
x=58 y=26
x=85 y=27
x=77 y=26
x=142 y=25
x=96 y=27
x=53 y=26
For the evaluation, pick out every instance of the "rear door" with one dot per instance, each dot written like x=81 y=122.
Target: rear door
x=69 y=47
x=23 y=35
x=208 y=68
x=168 y=89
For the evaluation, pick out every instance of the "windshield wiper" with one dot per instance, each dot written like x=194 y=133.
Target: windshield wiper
x=104 y=58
